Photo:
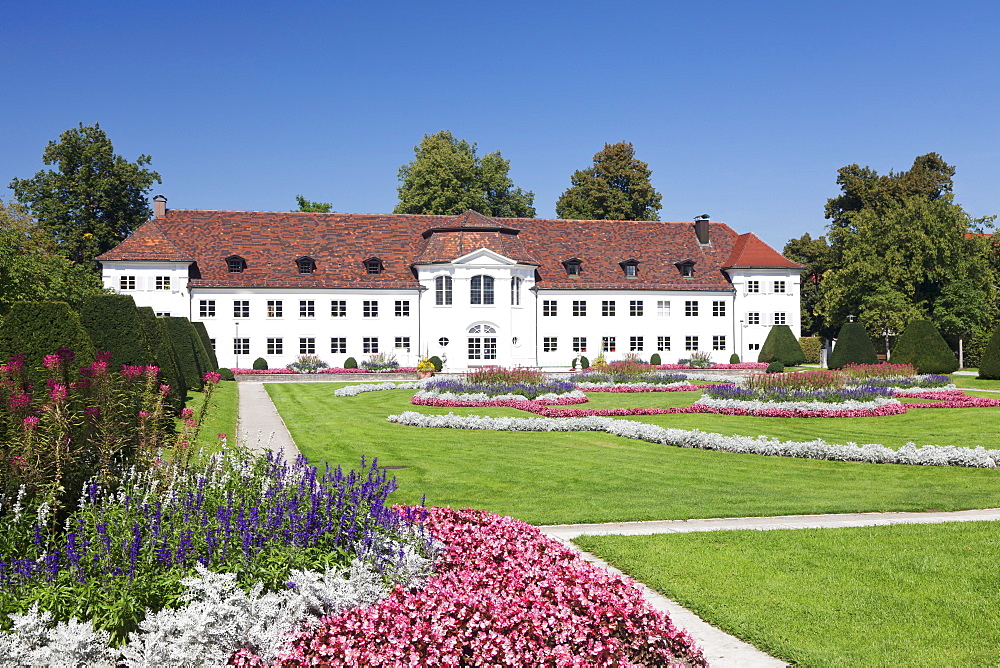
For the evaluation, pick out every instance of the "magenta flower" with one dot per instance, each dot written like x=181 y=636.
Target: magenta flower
x=187 y=412
x=18 y=402
x=103 y=356
x=212 y=377
x=143 y=414
x=164 y=390
x=92 y=411
x=52 y=362
x=30 y=422
x=151 y=371
x=58 y=393
x=18 y=460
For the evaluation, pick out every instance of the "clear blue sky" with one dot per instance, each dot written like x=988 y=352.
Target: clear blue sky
x=743 y=110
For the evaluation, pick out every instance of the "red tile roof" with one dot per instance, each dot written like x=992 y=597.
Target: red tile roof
x=270 y=242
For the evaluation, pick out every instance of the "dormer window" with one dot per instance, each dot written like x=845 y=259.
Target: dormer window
x=686 y=268
x=630 y=267
x=306 y=265
x=235 y=264
x=573 y=266
x=373 y=265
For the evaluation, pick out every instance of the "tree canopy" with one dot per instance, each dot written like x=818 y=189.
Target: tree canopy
x=306 y=206
x=816 y=255
x=94 y=198
x=616 y=187
x=447 y=177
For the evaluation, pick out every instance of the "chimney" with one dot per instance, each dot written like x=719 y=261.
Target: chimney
x=159 y=206
x=701 y=229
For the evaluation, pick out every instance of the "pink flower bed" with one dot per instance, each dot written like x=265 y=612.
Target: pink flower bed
x=741 y=365
x=947 y=399
x=503 y=594
x=647 y=388
x=245 y=372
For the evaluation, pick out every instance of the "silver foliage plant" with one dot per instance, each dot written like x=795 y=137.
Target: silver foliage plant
x=926 y=455
x=355 y=390
x=35 y=641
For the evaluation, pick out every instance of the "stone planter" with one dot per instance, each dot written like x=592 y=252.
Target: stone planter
x=424 y=374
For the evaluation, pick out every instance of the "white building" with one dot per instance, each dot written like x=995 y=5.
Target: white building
x=470 y=289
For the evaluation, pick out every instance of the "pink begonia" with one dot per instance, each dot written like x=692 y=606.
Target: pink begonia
x=222 y=436
x=187 y=412
x=502 y=594
x=52 y=362
x=31 y=422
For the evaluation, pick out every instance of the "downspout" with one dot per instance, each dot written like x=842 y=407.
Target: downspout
x=534 y=289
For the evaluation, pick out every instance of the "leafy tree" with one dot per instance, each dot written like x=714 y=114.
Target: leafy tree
x=448 y=178
x=886 y=311
x=965 y=309
x=94 y=199
x=305 y=206
x=816 y=255
x=31 y=268
x=617 y=187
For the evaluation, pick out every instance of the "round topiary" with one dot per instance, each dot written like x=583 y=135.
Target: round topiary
x=584 y=362
x=922 y=345
x=227 y=374
x=989 y=362
x=436 y=361
x=350 y=363
x=781 y=346
x=734 y=359
x=854 y=346
x=775 y=367
x=260 y=363
x=655 y=359
x=572 y=365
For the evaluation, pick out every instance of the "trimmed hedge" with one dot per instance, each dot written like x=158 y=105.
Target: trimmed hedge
x=781 y=346
x=112 y=321
x=775 y=367
x=226 y=374
x=811 y=347
x=655 y=359
x=854 y=346
x=584 y=362
x=989 y=362
x=158 y=341
x=260 y=363
x=734 y=359
x=37 y=329
x=922 y=345
x=191 y=356
x=206 y=340
x=435 y=360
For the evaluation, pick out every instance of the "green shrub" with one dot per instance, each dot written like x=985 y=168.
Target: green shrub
x=187 y=345
x=811 y=347
x=436 y=361
x=351 y=363
x=734 y=359
x=37 y=329
x=775 y=367
x=112 y=322
x=975 y=347
x=227 y=374
x=260 y=363
x=572 y=365
x=989 y=361
x=206 y=340
x=781 y=346
x=922 y=345
x=154 y=331
x=655 y=359
x=584 y=362
x=853 y=346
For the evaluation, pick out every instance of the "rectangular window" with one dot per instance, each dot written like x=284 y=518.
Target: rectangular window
x=241 y=308
x=718 y=343
x=307 y=345
x=753 y=286
x=338 y=309
x=275 y=346
x=579 y=344
x=162 y=282
x=608 y=309
x=206 y=308
x=753 y=318
x=690 y=343
x=273 y=308
x=402 y=309
x=691 y=308
x=338 y=344
x=127 y=283
x=662 y=343
x=718 y=309
x=548 y=308
x=549 y=344
x=162 y=314
x=212 y=342
x=307 y=308
x=608 y=342
x=579 y=308
x=240 y=346
x=753 y=346
x=663 y=309
x=370 y=309
x=779 y=318
x=635 y=308
x=442 y=291
x=635 y=344
x=403 y=343
x=369 y=344
x=779 y=286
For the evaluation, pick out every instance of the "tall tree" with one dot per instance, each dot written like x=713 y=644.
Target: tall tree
x=31 y=269
x=617 y=187
x=306 y=206
x=815 y=254
x=447 y=178
x=94 y=198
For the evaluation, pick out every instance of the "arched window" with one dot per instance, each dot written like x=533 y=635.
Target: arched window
x=442 y=291
x=482 y=290
x=482 y=329
x=482 y=347
x=515 y=291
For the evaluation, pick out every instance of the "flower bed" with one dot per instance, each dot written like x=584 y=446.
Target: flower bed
x=638 y=387
x=332 y=369
x=482 y=398
x=522 y=389
x=610 y=377
x=783 y=394
x=503 y=594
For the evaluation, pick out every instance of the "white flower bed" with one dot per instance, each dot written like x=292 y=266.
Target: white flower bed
x=482 y=396
x=798 y=405
x=355 y=390
x=927 y=455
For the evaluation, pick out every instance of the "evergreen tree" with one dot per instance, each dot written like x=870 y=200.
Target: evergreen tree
x=157 y=340
x=854 y=346
x=206 y=341
x=190 y=351
x=922 y=345
x=37 y=329
x=112 y=321
x=989 y=364
x=617 y=187
x=781 y=346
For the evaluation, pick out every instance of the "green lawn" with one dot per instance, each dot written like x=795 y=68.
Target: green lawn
x=974 y=383
x=220 y=417
x=551 y=478
x=907 y=595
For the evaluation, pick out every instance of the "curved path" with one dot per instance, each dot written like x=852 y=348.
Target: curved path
x=261 y=427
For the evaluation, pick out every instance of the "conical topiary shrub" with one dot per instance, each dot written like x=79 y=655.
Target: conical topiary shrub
x=922 y=345
x=781 y=346
x=154 y=331
x=854 y=346
x=655 y=359
x=37 y=329
x=112 y=321
x=989 y=363
x=206 y=340
x=190 y=351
